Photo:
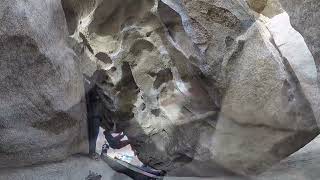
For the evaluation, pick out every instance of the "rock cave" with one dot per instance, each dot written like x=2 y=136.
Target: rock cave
x=202 y=89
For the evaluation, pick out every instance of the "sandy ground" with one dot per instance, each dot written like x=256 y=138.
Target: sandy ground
x=74 y=168
x=302 y=165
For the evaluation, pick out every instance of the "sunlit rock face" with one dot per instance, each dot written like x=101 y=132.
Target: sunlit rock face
x=42 y=116
x=305 y=18
x=200 y=87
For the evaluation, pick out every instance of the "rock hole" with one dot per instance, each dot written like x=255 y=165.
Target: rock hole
x=104 y=58
x=113 y=69
x=156 y=112
x=223 y=16
x=229 y=41
x=163 y=76
x=140 y=45
x=143 y=106
x=148 y=34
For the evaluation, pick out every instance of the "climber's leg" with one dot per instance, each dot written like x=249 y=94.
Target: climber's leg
x=94 y=125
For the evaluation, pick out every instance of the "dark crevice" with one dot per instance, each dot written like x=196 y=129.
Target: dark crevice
x=86 y=42
x=163 y=76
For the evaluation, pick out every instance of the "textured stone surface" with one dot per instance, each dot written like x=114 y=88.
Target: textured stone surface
x=250 y=116
x=295 y=51
x=42 y=116
x=305 y=18
x=200 y=87
x=302 y=165
x=200 y=83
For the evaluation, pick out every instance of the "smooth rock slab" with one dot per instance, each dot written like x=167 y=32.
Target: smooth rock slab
x=305 y=18
x=265 y=115
x=297 y=55
x=42 y=115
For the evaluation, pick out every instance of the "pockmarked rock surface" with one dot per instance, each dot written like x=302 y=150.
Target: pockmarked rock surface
x=42 y=115
x=199 y=83
x=198 y=86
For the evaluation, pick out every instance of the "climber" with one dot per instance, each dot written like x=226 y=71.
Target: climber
x=116 y=142
x=94 y=109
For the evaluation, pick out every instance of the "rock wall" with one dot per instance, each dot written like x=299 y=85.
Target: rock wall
x=201 y=83
x=42 y=114
x=199 y=86
x=305 y=19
